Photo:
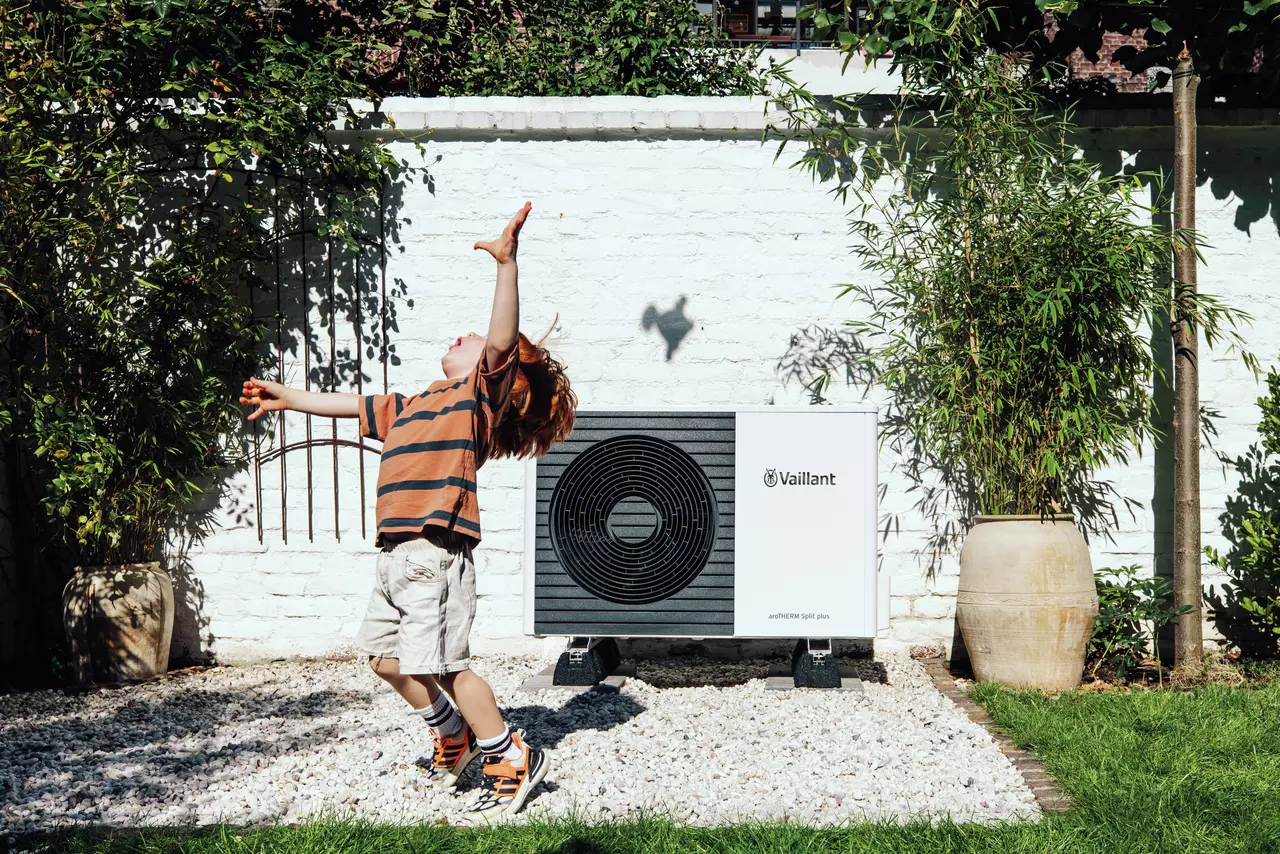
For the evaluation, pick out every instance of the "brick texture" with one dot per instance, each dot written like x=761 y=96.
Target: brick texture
x=1107 y=68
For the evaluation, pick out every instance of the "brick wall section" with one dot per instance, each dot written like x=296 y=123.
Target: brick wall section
x=1109 y=69
x=1106 y=68
x=641 y=204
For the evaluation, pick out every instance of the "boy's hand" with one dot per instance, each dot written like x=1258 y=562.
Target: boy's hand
x=266 y=395
x=503 y=249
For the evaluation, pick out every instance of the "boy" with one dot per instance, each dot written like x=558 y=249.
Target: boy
x=502 y=396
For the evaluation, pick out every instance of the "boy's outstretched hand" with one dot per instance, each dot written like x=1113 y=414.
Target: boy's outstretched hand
x=266 y=395
x=503 y=249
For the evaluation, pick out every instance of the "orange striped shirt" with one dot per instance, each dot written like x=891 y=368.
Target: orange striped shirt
x=432 y=445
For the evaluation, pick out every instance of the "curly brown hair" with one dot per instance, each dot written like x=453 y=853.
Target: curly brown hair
x=541 y=408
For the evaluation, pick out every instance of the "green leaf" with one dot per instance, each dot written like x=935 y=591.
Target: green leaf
x=161 y=7
x=1161 y=26
x=1259 y=7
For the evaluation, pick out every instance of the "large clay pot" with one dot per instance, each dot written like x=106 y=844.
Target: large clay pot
x=119 y=620
x=1027 y=601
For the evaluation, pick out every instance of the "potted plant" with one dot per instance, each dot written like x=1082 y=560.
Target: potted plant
x=118 y=606
x=127 y=414
x=1004 y=318
x=128 y=417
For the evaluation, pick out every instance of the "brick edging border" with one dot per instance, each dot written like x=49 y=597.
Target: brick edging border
x=1048 y=796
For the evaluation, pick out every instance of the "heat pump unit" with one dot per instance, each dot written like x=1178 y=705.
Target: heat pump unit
x=706 y=523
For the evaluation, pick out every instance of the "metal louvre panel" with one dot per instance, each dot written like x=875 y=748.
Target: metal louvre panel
x=636 y=529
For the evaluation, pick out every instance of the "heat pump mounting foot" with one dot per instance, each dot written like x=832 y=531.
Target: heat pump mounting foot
x=814 y=665
x=587 y=661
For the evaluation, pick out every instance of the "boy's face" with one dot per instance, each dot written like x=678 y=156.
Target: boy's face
x=463 y=355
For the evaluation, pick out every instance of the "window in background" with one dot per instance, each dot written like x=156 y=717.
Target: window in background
x=766 y=21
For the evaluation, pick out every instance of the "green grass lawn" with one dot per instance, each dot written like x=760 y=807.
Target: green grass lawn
x=1147 y=772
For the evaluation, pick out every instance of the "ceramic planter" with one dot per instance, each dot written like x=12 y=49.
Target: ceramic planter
x=1027 y=601
x=119 y=621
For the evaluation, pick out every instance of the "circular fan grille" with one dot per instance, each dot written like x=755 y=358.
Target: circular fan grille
x=633 y=519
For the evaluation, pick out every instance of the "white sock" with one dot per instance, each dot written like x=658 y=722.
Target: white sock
x=442 y=717
x=503 y=745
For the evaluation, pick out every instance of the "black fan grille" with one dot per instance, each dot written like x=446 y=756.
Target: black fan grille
x=633 y=519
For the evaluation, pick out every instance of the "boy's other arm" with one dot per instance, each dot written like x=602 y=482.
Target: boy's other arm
x=273 y=397
x=504 y=321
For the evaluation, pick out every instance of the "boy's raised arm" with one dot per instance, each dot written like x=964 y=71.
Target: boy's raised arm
x=504 y=322
x=273 y=397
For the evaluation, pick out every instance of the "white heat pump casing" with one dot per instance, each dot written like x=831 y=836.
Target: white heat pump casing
x=804 y=529
x=805 y=554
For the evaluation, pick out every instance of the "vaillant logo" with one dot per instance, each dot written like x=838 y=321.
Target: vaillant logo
x=773 y=477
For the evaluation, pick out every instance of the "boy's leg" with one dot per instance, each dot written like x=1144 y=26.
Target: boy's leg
x=379 y=636
x=475 y=701
x=435 y=589
x=421 y=692
x=440 y=607
x=511 y=768
x=472 y=695
x=417 y=691
x=455 y=743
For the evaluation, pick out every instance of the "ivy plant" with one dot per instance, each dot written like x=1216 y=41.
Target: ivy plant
x=152 y=159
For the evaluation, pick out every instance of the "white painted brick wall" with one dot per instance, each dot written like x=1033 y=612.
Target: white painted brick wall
x=624 y=220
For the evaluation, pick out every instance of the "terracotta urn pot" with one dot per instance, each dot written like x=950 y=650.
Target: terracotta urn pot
x=1027 y=601
x=119 y=621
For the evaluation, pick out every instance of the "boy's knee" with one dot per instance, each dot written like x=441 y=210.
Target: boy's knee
x=384 y=666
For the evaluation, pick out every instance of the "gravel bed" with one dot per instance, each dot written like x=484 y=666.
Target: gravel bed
x=292 y=740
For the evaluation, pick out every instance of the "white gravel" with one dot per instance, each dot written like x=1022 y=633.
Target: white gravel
x=289 y=740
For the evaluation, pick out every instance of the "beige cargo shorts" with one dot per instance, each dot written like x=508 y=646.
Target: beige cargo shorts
x=423 y=604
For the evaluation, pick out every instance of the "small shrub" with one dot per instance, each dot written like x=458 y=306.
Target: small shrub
x=1246 y=611
x=1131 y=613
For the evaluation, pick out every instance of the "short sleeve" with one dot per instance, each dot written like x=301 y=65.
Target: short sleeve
x=493 y=387
x=377 y=413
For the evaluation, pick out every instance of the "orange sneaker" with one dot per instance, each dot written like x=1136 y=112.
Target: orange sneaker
x=452 y=756
x=506 y=784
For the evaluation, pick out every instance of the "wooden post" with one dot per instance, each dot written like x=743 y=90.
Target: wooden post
x=1188 y=631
